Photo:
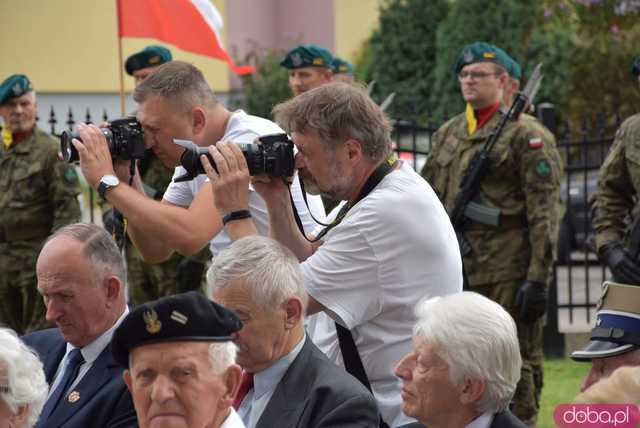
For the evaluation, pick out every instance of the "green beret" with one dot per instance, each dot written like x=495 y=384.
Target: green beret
x=186 y=317
x=635 y=67
x=307 y=56
x=14 y=86
x=482 y=52
x=151 y=56
x=341 y=66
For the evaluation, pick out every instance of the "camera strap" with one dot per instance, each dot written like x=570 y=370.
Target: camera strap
x=350 y=355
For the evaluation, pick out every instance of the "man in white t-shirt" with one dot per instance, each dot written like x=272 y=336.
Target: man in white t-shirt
x=392 y=248
x=175 y=101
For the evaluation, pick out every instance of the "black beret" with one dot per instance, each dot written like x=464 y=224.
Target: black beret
x=186 y=317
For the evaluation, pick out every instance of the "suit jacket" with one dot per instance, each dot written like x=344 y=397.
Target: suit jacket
x=316 y=393
x=104 y=398
x=504 y=419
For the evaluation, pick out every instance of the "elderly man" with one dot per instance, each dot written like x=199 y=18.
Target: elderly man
x=175 y=101
x=376 y=258
x=37 y=195
x=23 y=388
x=180 y=362
x=81 y=277
x=309 y=66
x=290 y=382
x=465 y=364
x=615 y=339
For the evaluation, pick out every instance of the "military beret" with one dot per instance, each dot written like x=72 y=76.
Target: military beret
x=482 y=52
x=186 y=317
x=151 y=56
x=513 y=68
x=307 y=56
x=14 y=86
x=617 y=328
x=341 y=66
x=635 y=67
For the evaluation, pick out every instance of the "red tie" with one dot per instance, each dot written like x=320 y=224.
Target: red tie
x=246 y=383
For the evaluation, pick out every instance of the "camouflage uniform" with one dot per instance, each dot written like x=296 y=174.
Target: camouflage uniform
x=176 y=275
x=618 y=184
x=523 y=183
x=38 y=194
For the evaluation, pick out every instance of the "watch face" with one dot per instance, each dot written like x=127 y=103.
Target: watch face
x=110 y=180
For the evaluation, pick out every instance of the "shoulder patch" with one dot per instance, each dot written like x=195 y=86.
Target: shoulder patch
x=536 y=143
x=543 y=168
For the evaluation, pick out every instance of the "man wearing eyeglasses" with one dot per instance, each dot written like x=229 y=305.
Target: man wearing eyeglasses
x=510 y=256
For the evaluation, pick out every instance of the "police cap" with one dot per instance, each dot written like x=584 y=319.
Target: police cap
x=309 y=55
x=151 y=56
x=186 y=317
x=617 y=328
x=482 y=52
x=14 y=86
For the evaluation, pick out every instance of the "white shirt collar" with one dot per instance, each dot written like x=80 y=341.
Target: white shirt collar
x=93 y=350
x=482 y=421
x=232 y=421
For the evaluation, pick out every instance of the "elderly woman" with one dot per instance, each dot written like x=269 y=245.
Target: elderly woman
x=465 y=364
x=23 y=389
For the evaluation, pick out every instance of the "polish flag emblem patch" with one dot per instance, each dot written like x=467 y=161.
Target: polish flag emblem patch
x=536 y=143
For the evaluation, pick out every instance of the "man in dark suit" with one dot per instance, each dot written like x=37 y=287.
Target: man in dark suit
x=465 y=365
x=287 y=381
x=81 y=278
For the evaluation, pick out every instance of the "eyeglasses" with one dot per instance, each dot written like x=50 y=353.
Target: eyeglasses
x=475 y=75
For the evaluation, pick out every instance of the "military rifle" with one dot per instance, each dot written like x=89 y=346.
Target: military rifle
x=478 y=168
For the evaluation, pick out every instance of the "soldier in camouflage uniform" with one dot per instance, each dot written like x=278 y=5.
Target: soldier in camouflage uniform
x=509 y=262
x=38 y=194
x=178 y=274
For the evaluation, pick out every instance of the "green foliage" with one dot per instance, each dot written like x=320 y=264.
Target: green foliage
x=562 y=379
x=268 y=86
x=401 y=55
x=508 y=24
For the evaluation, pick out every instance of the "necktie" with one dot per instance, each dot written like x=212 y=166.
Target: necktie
x=246 y=383
x=74 y=361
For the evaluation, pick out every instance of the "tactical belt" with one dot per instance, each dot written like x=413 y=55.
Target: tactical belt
x=24 y=233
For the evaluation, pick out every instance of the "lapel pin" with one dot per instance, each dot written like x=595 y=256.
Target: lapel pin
x=73 y=396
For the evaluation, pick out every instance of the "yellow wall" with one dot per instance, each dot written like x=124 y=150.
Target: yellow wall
x=355 y=21
x=72 y=46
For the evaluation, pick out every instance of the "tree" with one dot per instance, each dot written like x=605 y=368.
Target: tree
x=509 y=24
x=401 y=54
x=268 y=86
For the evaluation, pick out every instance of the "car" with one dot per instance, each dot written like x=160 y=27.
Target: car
x=575 y=229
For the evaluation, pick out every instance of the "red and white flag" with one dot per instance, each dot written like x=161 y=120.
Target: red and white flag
x=191 y=25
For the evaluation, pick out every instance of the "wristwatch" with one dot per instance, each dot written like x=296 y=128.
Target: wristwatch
x=107 y=182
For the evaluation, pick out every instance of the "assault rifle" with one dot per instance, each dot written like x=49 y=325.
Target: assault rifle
x=478 y=168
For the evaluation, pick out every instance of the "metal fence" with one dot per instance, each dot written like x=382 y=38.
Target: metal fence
x=577 y=275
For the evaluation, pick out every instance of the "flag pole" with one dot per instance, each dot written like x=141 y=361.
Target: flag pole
x=120 y=62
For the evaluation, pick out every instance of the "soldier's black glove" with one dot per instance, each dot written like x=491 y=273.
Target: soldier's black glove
x=625 y=270
x=531 y=298
x=189 y=275
x=114 y=224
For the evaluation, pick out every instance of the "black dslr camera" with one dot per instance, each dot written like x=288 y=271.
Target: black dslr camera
x=124 y=137
x=273 y=157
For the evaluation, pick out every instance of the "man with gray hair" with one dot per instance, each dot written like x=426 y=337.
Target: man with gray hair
x=81 y=277
x=465 y=365
x=287 y=380
x=180 y=362
x=23 y=389
x=388 y=245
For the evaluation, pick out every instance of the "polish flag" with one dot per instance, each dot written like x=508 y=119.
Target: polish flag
x=191 y=25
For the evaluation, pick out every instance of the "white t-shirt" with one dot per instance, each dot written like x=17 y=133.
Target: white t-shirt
x=244 y=128
x=392 y=249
